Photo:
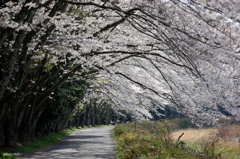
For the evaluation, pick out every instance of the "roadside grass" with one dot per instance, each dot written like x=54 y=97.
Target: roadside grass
x=147 y=140
x=92 y=126
x=224 y=140
x=44 y=141
x=38 y=143
x=34 y=144
x=154 y=140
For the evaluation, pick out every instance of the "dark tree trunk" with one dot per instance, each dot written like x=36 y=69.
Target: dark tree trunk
x=10 y=127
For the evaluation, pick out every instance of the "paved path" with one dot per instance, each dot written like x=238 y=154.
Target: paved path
x=92 y=143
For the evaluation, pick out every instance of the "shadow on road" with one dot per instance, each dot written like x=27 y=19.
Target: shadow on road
x=94 y=143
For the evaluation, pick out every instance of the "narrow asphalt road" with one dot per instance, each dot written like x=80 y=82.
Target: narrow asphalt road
x=92 y=143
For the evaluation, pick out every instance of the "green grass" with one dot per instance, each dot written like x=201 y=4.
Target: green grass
x=44 y=141
x=4 y=155
x=34 y=144
x=152 y=140
x=93 y=126
x=218 y=139
x=38 y=143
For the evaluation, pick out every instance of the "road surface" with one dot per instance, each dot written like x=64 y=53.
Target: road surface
x=92 y=143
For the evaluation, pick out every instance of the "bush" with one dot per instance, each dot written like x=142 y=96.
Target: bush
x=152 y=140
x=149 y=140
x=117 y=131
x=183 y=123
x=229 y=132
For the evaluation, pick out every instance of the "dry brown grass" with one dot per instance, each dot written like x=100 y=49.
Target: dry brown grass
x=226 y=137
x=230 y=137
x=193 y=135
x=229 y=132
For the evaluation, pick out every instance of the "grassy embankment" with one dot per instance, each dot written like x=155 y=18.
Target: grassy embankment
x=34 y=144
x=37 y=143
x=224 y=140
x=161 y=140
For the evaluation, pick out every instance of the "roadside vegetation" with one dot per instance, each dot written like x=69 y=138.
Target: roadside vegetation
x=34 y=144
x=164 y=140
x=38 y=143
x=224 y=140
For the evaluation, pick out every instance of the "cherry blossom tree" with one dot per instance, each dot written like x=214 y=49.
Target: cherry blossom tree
x=193 y=47
x=182 y=53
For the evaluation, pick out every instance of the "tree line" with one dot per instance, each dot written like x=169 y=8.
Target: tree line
x=53 y=53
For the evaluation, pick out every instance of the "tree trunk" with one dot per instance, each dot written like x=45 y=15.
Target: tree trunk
x=29 y=128
x=11 y=63
x=10 y=127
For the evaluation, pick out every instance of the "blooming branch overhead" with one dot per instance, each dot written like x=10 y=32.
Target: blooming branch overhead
x=182 y=53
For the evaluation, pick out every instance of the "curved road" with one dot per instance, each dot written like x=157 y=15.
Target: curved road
x=92 y=143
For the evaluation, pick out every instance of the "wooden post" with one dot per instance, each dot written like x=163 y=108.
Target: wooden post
x=135 y=125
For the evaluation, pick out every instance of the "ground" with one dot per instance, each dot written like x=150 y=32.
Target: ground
x=92 y=143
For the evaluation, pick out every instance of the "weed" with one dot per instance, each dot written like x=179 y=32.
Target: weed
x=227 y=132
x=34 y=144
x=211 y=142
x=148 y=141
x=155 y=140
